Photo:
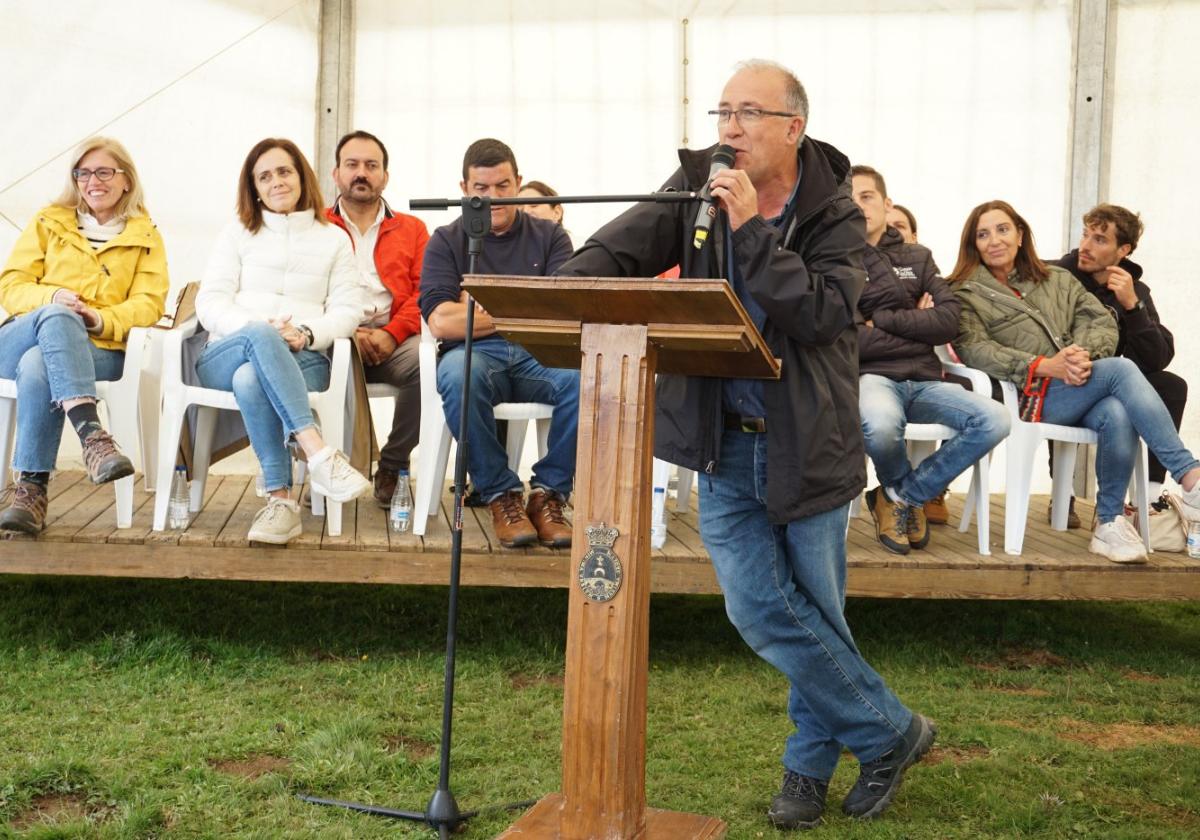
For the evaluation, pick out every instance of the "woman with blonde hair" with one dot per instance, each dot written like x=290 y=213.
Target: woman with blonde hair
x=87 y=269
x=1033 y=324
x=281 y=286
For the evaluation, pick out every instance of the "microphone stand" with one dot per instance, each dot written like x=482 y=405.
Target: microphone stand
x=443 y=813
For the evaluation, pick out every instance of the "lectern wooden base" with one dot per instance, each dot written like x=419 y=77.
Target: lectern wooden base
x=542 y=821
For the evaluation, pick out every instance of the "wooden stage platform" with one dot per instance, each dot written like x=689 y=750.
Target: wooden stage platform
x=81 y=538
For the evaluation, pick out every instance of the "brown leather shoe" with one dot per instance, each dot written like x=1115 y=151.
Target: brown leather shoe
x=509 y=521
x=936 y=512
x=385 y=486
x=27 y=508
x=103 y=460
x=891 y=521
x=545 y=511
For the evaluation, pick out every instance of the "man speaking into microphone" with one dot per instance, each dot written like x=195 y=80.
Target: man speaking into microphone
x=790 y=240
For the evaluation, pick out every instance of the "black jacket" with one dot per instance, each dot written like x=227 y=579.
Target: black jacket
x=807 y=277
x=900 y=344
x=1143 y=339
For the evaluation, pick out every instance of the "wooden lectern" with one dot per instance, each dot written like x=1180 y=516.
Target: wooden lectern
x=619 y=332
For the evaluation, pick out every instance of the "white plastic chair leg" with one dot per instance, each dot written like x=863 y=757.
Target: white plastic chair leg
x=8 y=423
x=432 y=453
x=1063 y=483
x=206 y=425
x=515 y=443
x=170 y=429
x=1021 y=451
x=123 y=487
x=683 y=488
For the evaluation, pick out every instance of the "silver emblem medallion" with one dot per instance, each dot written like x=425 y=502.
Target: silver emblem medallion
x=600 y=572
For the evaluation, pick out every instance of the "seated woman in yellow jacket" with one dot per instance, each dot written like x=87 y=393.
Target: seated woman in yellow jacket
x=86 y=270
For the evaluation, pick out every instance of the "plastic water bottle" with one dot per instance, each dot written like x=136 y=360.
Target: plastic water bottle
x=400 y=513
x=1193 y=540
x=177 y=509
x=658 y=517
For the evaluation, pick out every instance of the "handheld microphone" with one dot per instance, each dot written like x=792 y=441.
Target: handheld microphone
x=722 y=159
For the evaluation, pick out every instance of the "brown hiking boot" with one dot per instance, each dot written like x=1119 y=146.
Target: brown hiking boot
x=26 y=511
x=935 y=510
x=891 y=521
x=385 y=486
x=545 y=511
x=103 y=460
x=1072 y=516
x=512 y=526
x=918 y=527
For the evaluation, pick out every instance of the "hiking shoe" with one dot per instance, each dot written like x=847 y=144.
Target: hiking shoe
x=26 y=511
x=918 y=527
x=799 y=803
x=891 y=520
x=385 y=486
x=1118 y=541
x=545 y=512
x=103 y=460
x=936 y=512
x=509 y=521
x=1072 y=517
x=879 y=780
x=336 y=480
x=277 y=523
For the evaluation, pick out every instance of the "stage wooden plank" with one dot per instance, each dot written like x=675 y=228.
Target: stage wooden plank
x=74 y=509
x=371 y=528
x=437 y=530
x=139 y=528
x=104 y=526
x=312 y=526
x=233 y=533
x=221 y=495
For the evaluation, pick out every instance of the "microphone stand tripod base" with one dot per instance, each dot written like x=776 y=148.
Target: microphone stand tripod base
x=542 y=822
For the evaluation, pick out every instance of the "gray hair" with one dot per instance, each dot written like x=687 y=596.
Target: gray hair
x=794 y=97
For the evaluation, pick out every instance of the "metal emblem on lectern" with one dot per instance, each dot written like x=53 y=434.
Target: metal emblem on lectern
x=600 y=572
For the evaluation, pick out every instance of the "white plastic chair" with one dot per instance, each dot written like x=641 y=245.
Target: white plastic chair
x=1023 y=444
x=330 y=406
x=120 y=398
x=433 y=447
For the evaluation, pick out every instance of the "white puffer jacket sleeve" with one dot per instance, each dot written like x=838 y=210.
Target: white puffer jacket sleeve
x=217 y=304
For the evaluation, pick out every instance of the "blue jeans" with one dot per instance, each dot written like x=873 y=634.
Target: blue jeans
x=887 y=406
x=503 y=372
x=48 y=353
x=271 y=385
x=785 y=592
x=1118 y=404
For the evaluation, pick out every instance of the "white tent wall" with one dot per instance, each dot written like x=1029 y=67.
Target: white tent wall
x=956 y=102
x=1156 y=117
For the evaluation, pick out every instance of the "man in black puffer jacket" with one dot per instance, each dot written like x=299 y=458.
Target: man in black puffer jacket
x=782 y=459
x=1102 y=265
x=908 y=310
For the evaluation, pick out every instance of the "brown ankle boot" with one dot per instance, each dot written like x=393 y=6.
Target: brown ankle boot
x=545 y=510
x=509 y=521
x=27 y=508
x=103 y=460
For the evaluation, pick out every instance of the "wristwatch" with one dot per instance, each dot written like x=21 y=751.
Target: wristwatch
x=308 y=335
x=1140 y=306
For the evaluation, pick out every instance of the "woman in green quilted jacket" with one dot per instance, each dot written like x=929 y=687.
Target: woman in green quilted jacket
x=1035 y=325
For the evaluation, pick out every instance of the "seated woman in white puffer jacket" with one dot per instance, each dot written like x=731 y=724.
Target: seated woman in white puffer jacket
x=280 y=287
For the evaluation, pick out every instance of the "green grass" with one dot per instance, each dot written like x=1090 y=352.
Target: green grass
x=122 y=701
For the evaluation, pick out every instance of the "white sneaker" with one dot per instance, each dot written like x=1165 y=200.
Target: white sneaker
x=1191 y=498
x=1118 y=541
x=277 y=523
x=336 y=480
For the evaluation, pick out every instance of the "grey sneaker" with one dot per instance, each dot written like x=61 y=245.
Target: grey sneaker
x=336 y=480
x=277 y=523
x=799 y=803
x=879 y=780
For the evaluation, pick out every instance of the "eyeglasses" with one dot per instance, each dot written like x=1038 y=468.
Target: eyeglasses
x=746 y=116
x=104 y=173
